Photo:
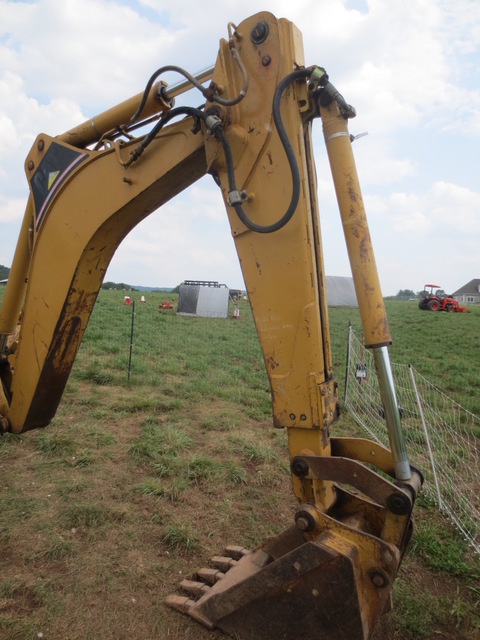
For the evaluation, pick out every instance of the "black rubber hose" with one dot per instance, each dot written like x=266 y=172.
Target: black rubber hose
x=281 y=222
x=196 y=114
x=152 y=79
x=219 y=132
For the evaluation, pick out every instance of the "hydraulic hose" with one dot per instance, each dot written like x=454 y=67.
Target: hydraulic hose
x=235 y=196
x=152 y=79
x=207 y=93
x=196 y=114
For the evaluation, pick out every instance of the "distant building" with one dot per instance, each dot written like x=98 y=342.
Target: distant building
x=3 y=282
x=340 y=291
x=469 y=293
x=235 y=294
x=204 y=298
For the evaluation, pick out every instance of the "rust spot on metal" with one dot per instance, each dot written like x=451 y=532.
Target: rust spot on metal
x=272 y=363
x=365 y=248
x=307 y=328
x=55 y=372
x=210 y=91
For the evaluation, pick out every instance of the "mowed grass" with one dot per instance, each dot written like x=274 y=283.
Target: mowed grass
x=138 y=482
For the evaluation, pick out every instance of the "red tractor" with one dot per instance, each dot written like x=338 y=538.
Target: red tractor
x=437 y=302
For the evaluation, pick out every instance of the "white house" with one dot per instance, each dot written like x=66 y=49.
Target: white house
x=469 y=293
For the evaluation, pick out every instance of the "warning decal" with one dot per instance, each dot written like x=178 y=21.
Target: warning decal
x=55 y=167
x=52 y=177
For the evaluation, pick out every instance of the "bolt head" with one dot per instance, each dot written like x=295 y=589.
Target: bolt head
x=259 y=33
x=378 y=578
x=399 y=503
x=305 y=521
x=302 y=524
x=299 y=467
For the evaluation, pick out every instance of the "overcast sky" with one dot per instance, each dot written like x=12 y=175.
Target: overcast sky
x=411 y=68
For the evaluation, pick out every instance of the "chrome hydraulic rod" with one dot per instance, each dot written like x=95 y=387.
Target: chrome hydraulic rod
x=175 y=90
x=159 y=101
x=364 y=271
x=392 y=413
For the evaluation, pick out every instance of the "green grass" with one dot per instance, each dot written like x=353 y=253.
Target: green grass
x=53 y=444
x=155 y=443
x=443 y=550
x=57 y=549
x=88 y=515
x=443 y=347
x=137 y=482
x=180 y=537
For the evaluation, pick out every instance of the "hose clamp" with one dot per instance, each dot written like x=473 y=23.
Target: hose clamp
x=339 y=134
x=237 y=197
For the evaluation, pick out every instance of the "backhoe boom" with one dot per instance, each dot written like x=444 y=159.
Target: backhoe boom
x=330 y=574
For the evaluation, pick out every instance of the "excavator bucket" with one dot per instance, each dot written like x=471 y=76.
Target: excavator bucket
x=293 y=589
x=330 y=575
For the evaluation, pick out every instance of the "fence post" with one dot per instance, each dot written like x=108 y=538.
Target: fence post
x=131 y=342
x=424 y=425
x=347 y=365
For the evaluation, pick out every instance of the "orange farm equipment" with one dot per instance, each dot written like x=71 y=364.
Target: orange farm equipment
x=434 y=302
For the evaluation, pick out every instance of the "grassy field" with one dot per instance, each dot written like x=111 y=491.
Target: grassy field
x=137 y=483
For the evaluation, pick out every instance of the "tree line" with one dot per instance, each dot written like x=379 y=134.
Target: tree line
x=4 y=271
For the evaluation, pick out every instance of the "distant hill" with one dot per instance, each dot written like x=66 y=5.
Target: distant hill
x=164 y=289
x=120 y=286
x=4 y=271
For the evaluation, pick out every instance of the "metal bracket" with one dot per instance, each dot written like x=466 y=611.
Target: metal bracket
x=356 y=474
x=237 y=197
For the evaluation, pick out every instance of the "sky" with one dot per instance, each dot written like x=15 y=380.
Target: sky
x=410 y=68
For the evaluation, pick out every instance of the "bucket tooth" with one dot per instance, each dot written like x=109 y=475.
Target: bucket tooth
x=223 y=562
x=180 y=603
x=297 y=589
x=236 y=552
x=210 y=575
x=194 y=588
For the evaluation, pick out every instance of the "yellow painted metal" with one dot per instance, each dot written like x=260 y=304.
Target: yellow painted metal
x=366 y=451
x=283 y=270
x=17 y=280
x=93 y=129
x=355 y=227
x=160 y=99
x=81 y=222
x=92 y=212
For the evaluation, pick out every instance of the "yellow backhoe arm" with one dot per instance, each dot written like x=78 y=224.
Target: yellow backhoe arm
x=76 y=230
x=330 y=575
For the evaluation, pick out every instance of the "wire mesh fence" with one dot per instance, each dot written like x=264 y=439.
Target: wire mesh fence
x=442 y=437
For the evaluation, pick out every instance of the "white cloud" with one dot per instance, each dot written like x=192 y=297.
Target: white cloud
x=11 y=209
x=444 y=209
x=188 y=238
x=88 y=52
x=409 y=68
x=456 y=208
